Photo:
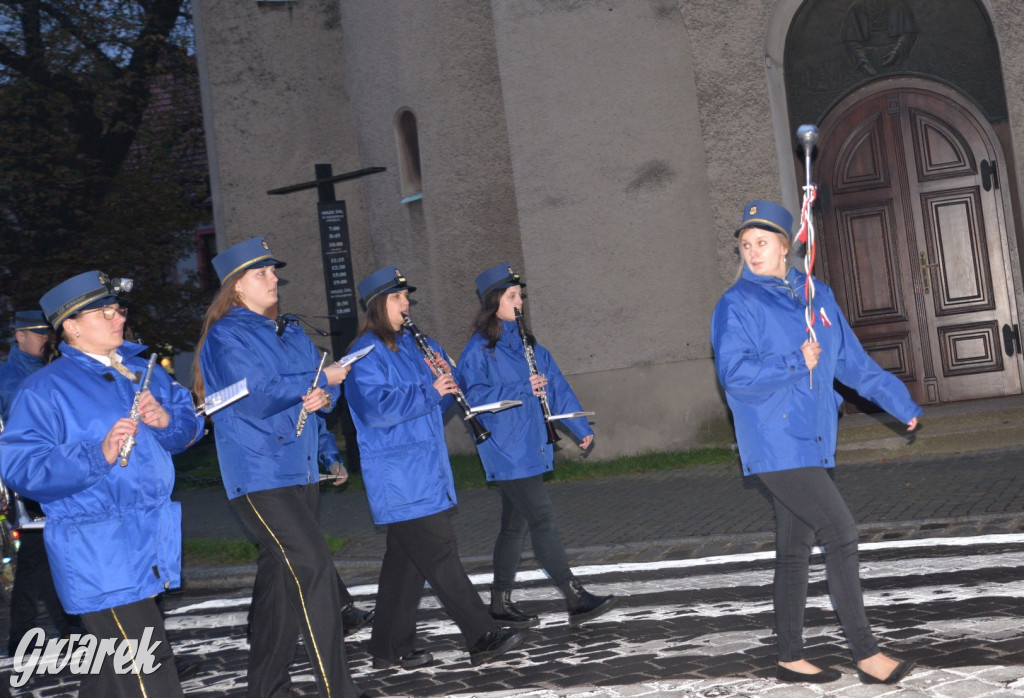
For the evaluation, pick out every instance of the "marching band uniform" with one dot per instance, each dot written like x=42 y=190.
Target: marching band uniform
x=272 y=480
x=786 y=428
x=353 y=617
x=397 y=410
x=517 y=454
x=20 y=364
x=33 y=581
x=112 y=533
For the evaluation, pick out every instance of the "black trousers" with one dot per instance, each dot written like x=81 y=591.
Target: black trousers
x=296 y=591
x=526 y=507
x=32 y=583
x=423 y=548
x=808 y=507
x=129 y=622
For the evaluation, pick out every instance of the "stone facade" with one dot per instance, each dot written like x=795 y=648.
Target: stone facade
x=605 y=149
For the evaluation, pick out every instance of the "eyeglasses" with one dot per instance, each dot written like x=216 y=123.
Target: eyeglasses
x=108 y=311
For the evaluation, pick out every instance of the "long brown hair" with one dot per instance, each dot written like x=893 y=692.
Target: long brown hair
x=226 y=298
x=376 y=321
x=487 y=322
x=51 y=350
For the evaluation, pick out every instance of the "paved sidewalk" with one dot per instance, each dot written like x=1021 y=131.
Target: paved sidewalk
x=677 y=514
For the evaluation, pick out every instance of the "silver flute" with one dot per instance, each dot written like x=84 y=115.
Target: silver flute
x=129 y=443
x=304 y=413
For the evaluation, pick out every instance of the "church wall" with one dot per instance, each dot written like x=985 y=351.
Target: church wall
x=604 y=149
x=274 y=105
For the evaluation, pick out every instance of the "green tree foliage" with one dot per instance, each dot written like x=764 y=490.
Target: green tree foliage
x=101 y=156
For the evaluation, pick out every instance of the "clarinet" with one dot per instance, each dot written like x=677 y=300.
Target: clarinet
x=304 y=413
x=531 y=361
x=480 y=433
x=129 y=443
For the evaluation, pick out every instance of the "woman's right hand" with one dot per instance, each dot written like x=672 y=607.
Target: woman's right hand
x=335 y=373
x=537 y=382
x=445 y=384
x=811 y=351
x=114 y=439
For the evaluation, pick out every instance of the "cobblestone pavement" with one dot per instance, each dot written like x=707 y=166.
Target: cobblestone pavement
x=963 y=623
x=698 y=627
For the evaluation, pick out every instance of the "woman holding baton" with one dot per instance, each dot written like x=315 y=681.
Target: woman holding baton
x=270 y=468
x=503 y=362
x=786 y=426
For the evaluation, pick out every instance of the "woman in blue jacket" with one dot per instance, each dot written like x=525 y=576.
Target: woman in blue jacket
x=112 y=533
x=493 y=367
x=271 y=472
x=397 y=405
x=778 y=384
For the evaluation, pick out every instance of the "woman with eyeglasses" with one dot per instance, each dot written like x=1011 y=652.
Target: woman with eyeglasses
x=270 y=470
x=112 y=533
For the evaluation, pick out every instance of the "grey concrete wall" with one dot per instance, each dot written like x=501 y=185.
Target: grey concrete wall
x=728 y=40
x=438 y=60
x=610 y=180
x=1008 y=26
x=274 y=105
x=566 y=138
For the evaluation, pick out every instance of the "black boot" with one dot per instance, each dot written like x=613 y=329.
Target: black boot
x=502 y=609
x=583 y=605
x=354 y=618
x=494 y=643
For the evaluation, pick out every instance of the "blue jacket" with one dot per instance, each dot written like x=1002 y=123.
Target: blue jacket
x=16 y=369
x=781 y=421
x=113 y=534
x=518 y=445
x=327 y=451
x=256 y=443
x=398 y=418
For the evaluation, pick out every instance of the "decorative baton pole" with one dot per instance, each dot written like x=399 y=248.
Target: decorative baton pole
x=807 y=135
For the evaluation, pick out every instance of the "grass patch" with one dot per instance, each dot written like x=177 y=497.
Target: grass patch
x=469 y=473
x=641 y=463
x=198 y=552
x=198 y=469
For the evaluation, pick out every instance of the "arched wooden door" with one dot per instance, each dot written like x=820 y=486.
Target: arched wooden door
x=913 y=236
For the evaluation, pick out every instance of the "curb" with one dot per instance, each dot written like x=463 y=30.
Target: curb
x=364 y=570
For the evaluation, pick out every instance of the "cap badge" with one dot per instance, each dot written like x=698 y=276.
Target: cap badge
x=753 y=211
x=265 y=245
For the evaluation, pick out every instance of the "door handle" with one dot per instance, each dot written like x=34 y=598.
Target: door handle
x=989 y=175
x=926 y=275
x=1011 y=339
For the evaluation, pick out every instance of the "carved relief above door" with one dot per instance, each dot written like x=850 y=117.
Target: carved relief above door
x=913 y=235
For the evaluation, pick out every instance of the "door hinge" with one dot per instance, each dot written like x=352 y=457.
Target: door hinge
x=989 y=175
x=1011 y=339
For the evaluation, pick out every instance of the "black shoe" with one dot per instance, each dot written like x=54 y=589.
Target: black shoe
x=826 y=675
x=901 y=670
x=413 y=660
x=504 y=611
x=494 y=643
x=354 y=619
x=583 y=605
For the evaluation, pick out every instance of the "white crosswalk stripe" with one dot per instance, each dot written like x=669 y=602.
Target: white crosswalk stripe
x=678 y=620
